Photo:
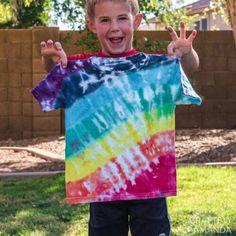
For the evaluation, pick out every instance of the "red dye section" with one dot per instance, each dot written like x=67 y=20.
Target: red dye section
x=148 y=173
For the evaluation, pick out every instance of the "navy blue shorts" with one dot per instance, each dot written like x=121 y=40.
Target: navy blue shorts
x=147 y=217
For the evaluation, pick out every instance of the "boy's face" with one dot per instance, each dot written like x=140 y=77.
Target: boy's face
x=114 y=25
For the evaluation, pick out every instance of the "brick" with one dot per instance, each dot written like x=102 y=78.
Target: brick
x=27 y=95
x=3 y=123
x=218 y=64
x=16 y=123
x=19 y=35
x=4 y=108
x=14 y=50
x=27 y=109
x=27 y=80
x=20 y=66
x=28 y=123
x=232 y=64
x=15 y=108
x=37 y=66
x=233 y=92
x=3 y=80
x=14 y=94
x=26 y=50
x=47 y=124
x=3 y=94
x=45 y=33
x=3 y=65
x=224 y=49
x=14 y=80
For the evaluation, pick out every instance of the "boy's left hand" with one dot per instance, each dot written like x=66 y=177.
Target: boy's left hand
x=181 y=45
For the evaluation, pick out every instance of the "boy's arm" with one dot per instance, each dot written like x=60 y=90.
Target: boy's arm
x=183 y=48
x=52 y=54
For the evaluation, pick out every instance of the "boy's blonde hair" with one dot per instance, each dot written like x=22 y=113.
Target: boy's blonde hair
x=90 y=6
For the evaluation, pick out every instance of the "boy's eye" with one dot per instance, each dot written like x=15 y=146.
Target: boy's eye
x=104 y=20
x=123 y=18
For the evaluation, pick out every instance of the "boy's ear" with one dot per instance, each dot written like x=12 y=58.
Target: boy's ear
x=138 y=20
x=91 y=26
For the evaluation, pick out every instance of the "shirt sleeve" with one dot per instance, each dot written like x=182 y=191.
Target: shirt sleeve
x=182 y=90
x=47 y=91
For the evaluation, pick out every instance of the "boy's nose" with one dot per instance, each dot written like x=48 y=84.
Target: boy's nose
x=114 y=26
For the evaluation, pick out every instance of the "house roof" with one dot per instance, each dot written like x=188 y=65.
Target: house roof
x=197 y=7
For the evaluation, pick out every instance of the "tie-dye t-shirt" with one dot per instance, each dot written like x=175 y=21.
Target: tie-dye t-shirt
x=120 y=124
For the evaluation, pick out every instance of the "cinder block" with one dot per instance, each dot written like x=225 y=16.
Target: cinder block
x=14 y=94
x=26 y=50
x=27 y=95
x=3 y=36
x=19 y=35
x=3 y=94
x=38 y=112
x=4 y=135
x=214 y=121
x=20 y=66
x=37 y=66
x=3 y=49
x=3 y=80
x=3 y=65
x=225 y=78
x=4 y=108
x=15 y=108
x=27 y=134
x=203 y=78
x=14 y=50
x=232 y=64
x=47 y=124
x=45 y=133
x=188 y=121
x=45 y=33
x=218 y=64
x=27 y=80
x=233 y=92
x=3 y=123
x=28 y=123
x=27 y=109
x=16 y=123
x=15 y=134
x=37 y=77
x=14 y=80
x=214 y=92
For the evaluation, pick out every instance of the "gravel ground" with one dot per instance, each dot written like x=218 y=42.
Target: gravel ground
x=192 y=146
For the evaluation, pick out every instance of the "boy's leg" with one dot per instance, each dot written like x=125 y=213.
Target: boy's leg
x=149 y=217
x=108 y=219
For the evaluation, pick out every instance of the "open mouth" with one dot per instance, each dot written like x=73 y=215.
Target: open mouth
x=116 y=39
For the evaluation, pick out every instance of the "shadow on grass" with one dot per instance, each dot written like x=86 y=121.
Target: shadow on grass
x=38 y=205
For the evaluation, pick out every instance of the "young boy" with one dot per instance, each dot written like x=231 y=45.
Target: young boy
x=128 y=190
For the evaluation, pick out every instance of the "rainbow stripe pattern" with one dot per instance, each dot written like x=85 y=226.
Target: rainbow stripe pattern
x=120 y=124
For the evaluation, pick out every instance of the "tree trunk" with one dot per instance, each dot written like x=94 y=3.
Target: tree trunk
x=231 y=7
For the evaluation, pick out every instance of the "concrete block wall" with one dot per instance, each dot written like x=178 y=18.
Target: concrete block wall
x=21 y=70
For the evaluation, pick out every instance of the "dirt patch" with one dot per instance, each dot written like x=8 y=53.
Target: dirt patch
x=192 y=146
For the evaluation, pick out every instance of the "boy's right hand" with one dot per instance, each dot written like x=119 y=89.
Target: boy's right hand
x=53 y=52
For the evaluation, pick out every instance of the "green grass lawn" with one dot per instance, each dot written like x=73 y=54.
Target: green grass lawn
x=206 y=205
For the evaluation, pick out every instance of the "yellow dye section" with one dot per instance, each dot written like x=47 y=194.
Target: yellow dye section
x=114 y=143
